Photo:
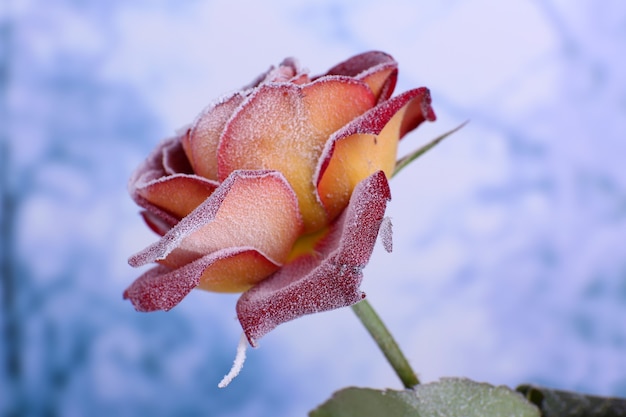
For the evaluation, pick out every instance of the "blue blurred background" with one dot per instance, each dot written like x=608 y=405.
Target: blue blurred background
x=509 y=262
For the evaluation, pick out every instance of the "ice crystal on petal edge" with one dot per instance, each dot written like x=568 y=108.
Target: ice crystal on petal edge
x=386 y=234
x=240 y=358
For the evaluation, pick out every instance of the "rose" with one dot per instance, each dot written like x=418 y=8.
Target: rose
x=277 y=190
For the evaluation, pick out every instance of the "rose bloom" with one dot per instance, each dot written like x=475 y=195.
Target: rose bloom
x=277 y=190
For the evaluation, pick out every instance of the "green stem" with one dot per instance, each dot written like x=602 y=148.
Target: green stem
x=386 y=343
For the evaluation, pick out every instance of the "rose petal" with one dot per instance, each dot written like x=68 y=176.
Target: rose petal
x=256 y=209
x=288 y=71
x=159 y=288
x=300 y=119
x=174 y=160
x=369 y=143
x=178 y=194
x=228 y=270
x=312 y=284
x=152 y=167
x=377 y=69
x=159 y=224
x=203 y=139
x=163 y=186
x=237 y=273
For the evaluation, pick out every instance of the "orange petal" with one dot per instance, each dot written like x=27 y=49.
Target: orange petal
x=250 y=209
x=177 y=194
x=284 y=127
x=367 y=145
x=237 y=273
x=162 y=288
x=382 y=80
x=164 y=186
x=203 y=139
x=377 y=69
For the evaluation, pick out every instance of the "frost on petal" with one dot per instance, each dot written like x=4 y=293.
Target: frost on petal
x=177 y=194
x=173 y=158
x=203 y=139
x=159 y=288
x=329 y=280
x=162 y=288
x=288 y=71
x=377 y=69
x=284 y=127
x=255 y=209
x=237 y=272
x=386 y=234
x=163 y=185
x=152 y=167
x=366 y=145
x=158 y=223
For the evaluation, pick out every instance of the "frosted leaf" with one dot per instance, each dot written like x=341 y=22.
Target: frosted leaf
x=240 y=358
x=386 y=234
x=449 y=397
x=330 y=280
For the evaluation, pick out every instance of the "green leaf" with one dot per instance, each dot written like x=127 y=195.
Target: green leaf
x=364 y=402
x=407 y=159
x=450 y=397
x=572 y=404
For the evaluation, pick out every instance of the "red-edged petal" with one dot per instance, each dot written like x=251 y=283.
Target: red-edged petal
x=163 y=186
x=255 y=209
x=288 y=71
x=178 y=194
x=284 y=127
x=228 y=270
x=368 y=144
x=152 y=167
x=238 y=272
x=159 y=222
x=203 y=139
x=172 y=155
x=377 y=69
x=159 y=288
x=331 y=280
